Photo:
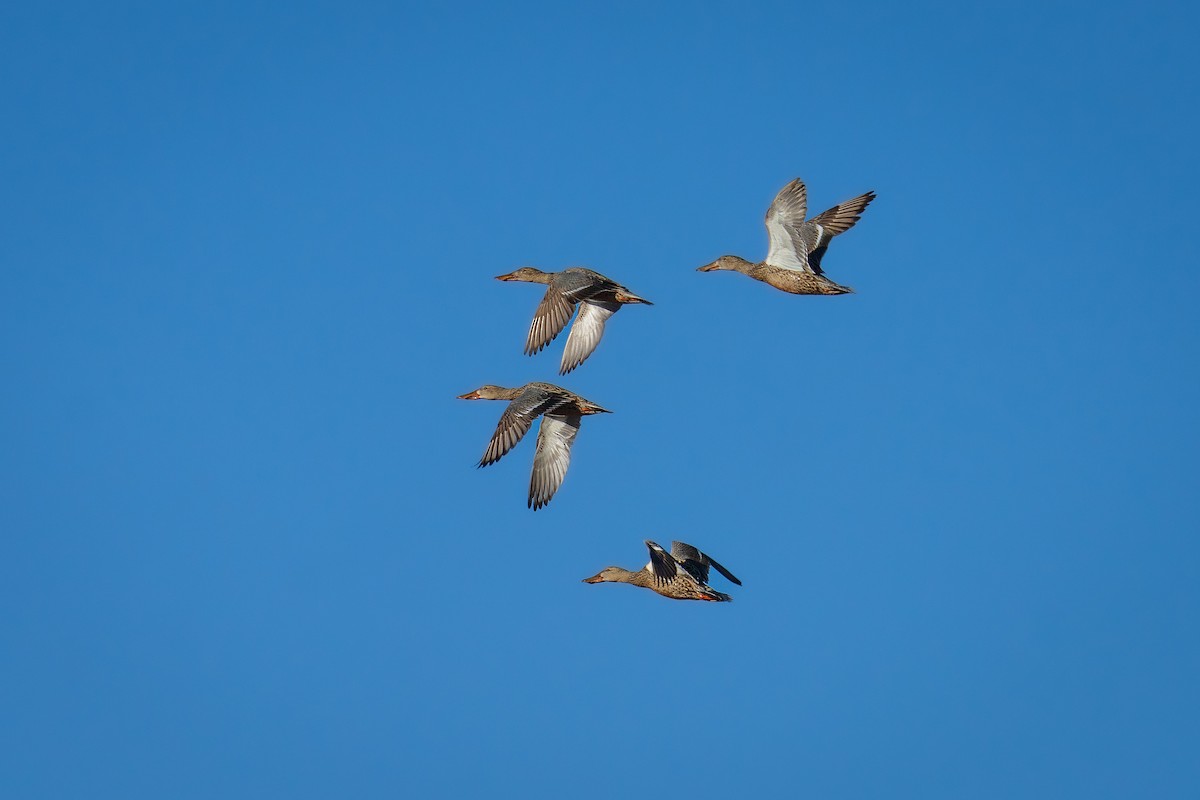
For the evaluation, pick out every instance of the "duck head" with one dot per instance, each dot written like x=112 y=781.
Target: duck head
x=735 y=263
x=486 y=392
x=606 y=574
x=528 y=274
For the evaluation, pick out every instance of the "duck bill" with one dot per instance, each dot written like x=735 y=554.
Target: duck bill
x=708 y=267
x=594 y=579
x=469 y=395
x=508 y=276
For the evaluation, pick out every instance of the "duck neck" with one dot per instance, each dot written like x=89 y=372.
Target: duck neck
x=535 y=275
x=639 y=578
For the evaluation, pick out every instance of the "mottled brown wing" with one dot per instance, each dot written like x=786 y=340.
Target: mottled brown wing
x=842 y=217
x=552 y=315
x=515 y=422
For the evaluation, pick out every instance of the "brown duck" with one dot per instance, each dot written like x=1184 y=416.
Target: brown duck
x=598 y=299
x=681 y=574
x=793 y=263
x=561 y=412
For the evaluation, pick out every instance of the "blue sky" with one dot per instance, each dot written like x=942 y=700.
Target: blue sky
x=247 y=264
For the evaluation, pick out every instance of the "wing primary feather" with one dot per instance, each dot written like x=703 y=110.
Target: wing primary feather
x=728 y=575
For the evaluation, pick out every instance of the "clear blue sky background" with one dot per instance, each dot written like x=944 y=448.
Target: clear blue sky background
x=248 y=260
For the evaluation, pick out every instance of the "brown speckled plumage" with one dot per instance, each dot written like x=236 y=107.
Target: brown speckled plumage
x=561 y=412
x=597 y=297
x=681 y=574
x=793 y=263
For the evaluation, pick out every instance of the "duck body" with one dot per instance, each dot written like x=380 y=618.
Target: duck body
x=787 y=280
x=797 y=245
x=597 y=297
x=681 y=574
x=561 y=412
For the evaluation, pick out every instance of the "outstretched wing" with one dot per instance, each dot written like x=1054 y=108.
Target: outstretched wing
x=842 y=217
x=784 y=220
x=586 y=332
x=824 y=226
x=515 y=422
x=697 y=563
x=552 y=315
x=553 y=456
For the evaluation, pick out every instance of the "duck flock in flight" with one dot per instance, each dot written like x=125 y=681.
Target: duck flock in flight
x=793 y=264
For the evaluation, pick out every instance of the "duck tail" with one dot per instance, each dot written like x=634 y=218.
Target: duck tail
x=591 y=408
x=829 y=287
x=626 y=296
x=717 y=597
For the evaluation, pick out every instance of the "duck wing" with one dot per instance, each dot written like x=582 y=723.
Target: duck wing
x=586 y=332
x=691 y=559
x=662 y=564
x=697 y=563
x=551 y=316
x=579 y=283
x=516 y=420
x=565 y=290
x=830 y=223
x=842 y=217
x=553 y=456
x=784 y=221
